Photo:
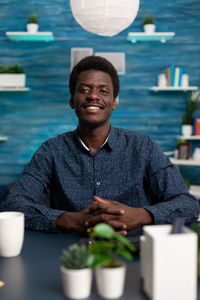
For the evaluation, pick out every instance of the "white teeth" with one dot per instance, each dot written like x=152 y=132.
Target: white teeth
x=93 y=107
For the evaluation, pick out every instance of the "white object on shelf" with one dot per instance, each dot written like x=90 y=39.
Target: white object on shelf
x=162 y=81
x=3 y=138
x=149 y=28
x=186 y=129
x=172 y=88
x=32 y=27
x=185 y=162
x=185 y=80
x=12 y=80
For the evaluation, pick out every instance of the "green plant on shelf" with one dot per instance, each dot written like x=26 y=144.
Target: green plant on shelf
x=16 y=69
x=148 y=20
x=33 y=19
x=192 y=105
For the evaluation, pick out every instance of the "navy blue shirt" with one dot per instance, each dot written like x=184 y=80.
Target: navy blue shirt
x=129 y=168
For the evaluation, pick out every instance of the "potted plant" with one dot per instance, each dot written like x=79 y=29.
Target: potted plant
x=76 y=276
x=104 y=254
x=32 y=24
x=12 y=76
x=148 y=25
x=192 y=105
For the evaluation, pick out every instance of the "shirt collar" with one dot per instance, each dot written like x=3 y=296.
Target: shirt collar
x=111 y=139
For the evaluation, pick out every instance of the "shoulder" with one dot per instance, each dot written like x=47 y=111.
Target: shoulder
x=57 y=143
x=131 y=136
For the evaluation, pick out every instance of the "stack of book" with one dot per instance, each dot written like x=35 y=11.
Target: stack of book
x=196 y=126
x=173 y=75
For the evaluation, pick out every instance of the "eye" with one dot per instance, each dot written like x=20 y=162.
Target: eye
x=104 y=92
x=84 y=90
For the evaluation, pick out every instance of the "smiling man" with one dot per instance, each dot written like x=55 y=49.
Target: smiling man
x=99 y=173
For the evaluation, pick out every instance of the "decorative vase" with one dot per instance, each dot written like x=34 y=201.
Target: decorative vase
x=76 y=282
x=110 y=281
x=32 y=27
x=149 y=28
x=187 y=130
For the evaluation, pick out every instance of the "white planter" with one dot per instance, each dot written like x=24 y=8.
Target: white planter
x=187 y=130
x=110 y=281
x=32 y=27
x=76 y=282
x=149 y=28
x=169 y=263
x=12 y=80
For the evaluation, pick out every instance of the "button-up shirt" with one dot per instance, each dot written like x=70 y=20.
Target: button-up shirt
x=129 y=168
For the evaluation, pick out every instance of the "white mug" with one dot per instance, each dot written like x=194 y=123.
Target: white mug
x=11 y=233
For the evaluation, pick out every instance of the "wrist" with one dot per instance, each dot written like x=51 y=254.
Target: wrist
x=65 y=222
x=146 y=217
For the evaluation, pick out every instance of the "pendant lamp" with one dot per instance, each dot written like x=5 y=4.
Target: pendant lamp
x=104 y=17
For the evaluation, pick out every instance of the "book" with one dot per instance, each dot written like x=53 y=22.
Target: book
x=176 y=76
x=197 y=126
x=180 y=76
x=172 y=68
x=167 y=75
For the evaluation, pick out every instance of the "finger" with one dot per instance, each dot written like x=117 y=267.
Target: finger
x=123 y=232
x=96 y=207
x=100 y=218
x=117 y=224
x=100 y=200
x=114 y=210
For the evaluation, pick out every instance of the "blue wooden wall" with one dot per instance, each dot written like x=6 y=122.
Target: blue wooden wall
x=28 y=119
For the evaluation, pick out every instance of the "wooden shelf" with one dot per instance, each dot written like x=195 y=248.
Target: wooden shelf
x=23 y=36
x=14 y=89
x=162 y=37
x=173 y=89
x=3 y=138
x=185 y=162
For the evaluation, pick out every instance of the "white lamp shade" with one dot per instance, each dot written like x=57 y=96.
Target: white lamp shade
x=104 y=17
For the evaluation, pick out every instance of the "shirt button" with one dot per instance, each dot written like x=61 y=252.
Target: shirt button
x=98 y=183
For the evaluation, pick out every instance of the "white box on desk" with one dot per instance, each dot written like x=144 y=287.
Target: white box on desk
x=169 y=263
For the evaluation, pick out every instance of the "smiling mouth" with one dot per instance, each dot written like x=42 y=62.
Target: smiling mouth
x=92 y=108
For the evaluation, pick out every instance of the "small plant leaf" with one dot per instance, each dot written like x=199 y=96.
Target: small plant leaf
x=104 y=231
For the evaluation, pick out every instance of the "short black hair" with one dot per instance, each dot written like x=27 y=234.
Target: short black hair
x=95 y=63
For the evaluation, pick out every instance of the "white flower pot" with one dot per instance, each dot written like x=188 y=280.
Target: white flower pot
x=187 y=130
x=149 y=28
x=32 y=27
x=110 y=281
x=12 y=80
x=76 y=282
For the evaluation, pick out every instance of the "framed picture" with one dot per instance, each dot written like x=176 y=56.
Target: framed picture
x=184 y=151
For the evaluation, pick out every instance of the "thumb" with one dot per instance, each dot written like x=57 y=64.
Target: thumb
x=100 y=200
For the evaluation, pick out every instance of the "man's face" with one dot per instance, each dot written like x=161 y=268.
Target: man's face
x=93 y=99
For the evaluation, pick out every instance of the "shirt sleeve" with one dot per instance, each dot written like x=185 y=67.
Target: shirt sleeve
x=168 y=194
x=30 y=192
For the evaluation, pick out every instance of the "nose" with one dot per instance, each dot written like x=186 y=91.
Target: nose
x=93 y=95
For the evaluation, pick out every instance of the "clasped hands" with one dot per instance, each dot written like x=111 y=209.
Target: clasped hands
x=121 y=217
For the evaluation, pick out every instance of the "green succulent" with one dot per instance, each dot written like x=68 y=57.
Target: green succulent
x=192 y=105
x=75 y=257
x=148 y=20
x=33 y=19
x=108 y=247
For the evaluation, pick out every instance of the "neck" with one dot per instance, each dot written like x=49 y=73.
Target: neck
x=94 y=138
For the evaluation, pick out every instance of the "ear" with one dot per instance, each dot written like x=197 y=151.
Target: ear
x=71 y=102
x=114 y=104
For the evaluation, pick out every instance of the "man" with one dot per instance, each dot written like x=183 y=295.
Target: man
x=98 y=173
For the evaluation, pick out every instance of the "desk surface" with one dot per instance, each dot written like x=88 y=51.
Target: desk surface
x=35 y=274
